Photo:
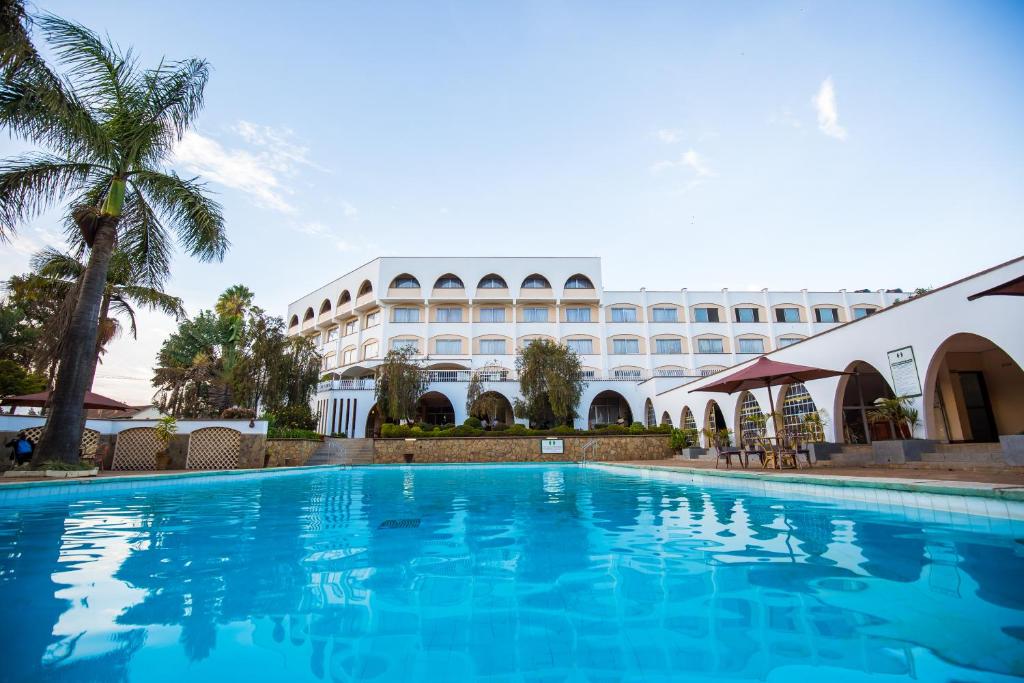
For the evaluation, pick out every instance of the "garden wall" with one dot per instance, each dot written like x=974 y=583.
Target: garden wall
x=290 y=452
x=520 y=449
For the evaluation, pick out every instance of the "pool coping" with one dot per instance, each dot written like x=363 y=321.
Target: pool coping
x=14 y=484
x=973 y=489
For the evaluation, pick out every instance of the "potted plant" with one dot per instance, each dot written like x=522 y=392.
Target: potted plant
x=686 y=443
x=165 y=428
x=812 y=428
x=898 y=413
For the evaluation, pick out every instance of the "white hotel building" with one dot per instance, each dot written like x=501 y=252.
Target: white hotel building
x=462 y=314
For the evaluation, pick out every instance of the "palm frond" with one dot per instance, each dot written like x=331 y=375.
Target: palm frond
x=118 y=306
x=52 y=263
x=31 y=183
x=143 y=238
x=153 y=299
x=174 y=97
x=196 y=218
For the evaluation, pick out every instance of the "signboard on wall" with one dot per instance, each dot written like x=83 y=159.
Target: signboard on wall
x=903 y=368
x=552 y=446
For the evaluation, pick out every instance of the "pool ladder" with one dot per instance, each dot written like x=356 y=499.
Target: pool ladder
x=588 y=446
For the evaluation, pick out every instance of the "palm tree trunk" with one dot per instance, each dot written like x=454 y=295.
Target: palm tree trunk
x=62 y=437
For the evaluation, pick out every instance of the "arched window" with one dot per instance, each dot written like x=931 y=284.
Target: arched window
x=492 y=281
x=687 y=421
x=344 y=298
x=649 y=419
x=666 y=419
x=796 y=406
x=325 y=306
x=308 y=315
x=294 y=321
x=405 y=281
x=751 y=419
x=578 y=281
x=536 y=281
x=365 y=288
x=449 y=281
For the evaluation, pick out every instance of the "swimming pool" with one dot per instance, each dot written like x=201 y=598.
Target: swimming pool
x=503 y=573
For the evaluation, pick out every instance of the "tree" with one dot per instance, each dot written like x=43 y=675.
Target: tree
x=550 y=383
x=272 y=370
x=190 y=373
x=15 y=380
x=109 y=126
x=479 y=401
x=400 y=382
x=60 y=273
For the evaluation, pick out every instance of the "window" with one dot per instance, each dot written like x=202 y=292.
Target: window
x=796 y=406
x=787 y=315
x=752 y=422
x=449 y=346
x=332 y=335
x=862 y=312
x=329 y=361
x=399 y=344
x=706 y=315
x=493 y=347
x=623 y=315
x=536 y=282
x=625 y=346
x=826 y=315
x=449 y=314
x=348 y=356
x=581 y=346
x=350 y=326
x=577 y=315
x=405 y=282
x=751 y=345
x=787 y=341
x=535 y=314
x=364 y=289
x=665 y=315
x=747 y=315
x=405 y=315
x=492 y=281
x=449 y=281
x=373 y=319
x=371 y=350
x=668 y=346
x=579 y=282
x=710 y=346
x=492 y=315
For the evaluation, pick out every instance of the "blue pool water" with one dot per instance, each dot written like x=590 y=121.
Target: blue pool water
x=518 y=573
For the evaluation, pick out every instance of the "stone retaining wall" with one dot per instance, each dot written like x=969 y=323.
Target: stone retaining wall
x=520 y=449
x=290 y=452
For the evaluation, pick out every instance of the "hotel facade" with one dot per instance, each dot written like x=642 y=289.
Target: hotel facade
x=461 y=315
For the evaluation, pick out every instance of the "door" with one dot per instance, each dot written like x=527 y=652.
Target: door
x=980 y=418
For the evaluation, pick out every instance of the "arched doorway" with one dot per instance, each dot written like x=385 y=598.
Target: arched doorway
x=974 y=390
x=374 y=421
x=714 y=420
x=434 y=408
x=608 y=408
x=686 y=420
x=649 y=419
x=492 y=408
x=666 y=419
x=749 y=422
x=859 y=391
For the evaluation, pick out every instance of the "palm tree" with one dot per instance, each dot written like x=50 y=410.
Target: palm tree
x=60 y=274
x=110 y=127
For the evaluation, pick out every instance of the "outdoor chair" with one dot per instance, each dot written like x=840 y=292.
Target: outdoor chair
x=776 y=455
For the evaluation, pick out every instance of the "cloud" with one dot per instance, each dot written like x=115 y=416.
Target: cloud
x=348 y=210
x=253 y=174
x=670 y=136
x=828 y=113
x=689 y=159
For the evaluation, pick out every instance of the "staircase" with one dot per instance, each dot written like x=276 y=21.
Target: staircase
x=964 y=456
x=343 y=452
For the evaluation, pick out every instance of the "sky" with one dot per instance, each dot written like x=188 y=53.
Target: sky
x=702 y=145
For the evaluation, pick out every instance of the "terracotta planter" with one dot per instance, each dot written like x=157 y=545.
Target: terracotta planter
x=163 y=460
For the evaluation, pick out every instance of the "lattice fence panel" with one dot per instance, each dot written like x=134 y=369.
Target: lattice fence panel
x=90 y=439
x=214 y=448
x=136 y=449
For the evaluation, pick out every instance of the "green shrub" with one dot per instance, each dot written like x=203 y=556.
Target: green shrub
x=285 y=433
x=473 y=422
x=426 y=426
x=392 y=431
x=611 y=430
x=297 y=416
x=563 y=430
x=660 y=429
x=517 y=430
x=637 y=428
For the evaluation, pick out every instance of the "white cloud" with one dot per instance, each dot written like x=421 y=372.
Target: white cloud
x=828 y=112
x=348 y=210
x=689 y=159
x=670 y=136
x=255 y=175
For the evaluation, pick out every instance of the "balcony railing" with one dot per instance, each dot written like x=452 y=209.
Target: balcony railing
x=445 y=376
x=466 y=375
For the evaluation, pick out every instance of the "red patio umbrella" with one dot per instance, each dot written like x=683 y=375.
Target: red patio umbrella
x=765 y=372
x=92 y=400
